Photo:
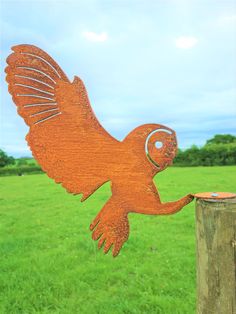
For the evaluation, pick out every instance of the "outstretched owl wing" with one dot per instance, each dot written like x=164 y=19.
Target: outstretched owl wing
x=64 y=136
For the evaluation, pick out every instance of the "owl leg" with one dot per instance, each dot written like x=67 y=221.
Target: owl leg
x=153 y=206
x=173 y=207
x=111 y=227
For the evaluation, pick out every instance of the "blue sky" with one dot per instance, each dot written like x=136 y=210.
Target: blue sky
x=171 y=62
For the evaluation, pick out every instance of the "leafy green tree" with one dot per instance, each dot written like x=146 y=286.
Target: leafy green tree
x=5 y=159
x=22 y=162
x=218 y=151
x=222 y=139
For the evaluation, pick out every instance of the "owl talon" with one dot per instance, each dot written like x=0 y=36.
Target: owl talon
x=94 y=223
x=107 y=246
x=101 y=241
x=97 y=234
x=116 y=249
x=112 y=227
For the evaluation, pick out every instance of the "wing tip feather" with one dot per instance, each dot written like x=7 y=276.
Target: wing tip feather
x=18 y=48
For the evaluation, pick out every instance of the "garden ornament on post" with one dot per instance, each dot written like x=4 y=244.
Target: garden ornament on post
x=73 y=148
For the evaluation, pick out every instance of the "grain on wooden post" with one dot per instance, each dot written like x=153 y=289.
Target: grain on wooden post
x=216 y=256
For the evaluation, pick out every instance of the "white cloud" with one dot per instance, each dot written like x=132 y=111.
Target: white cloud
x=186 y=42
x=95 y=37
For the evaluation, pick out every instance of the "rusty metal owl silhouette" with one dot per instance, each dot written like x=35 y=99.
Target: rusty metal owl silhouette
x=74 y=149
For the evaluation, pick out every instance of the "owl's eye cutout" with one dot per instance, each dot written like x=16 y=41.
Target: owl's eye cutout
x=161 y=147
x=158 y=144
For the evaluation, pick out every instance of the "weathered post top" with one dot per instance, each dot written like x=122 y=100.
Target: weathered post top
x=216 y=253
x=215 y=195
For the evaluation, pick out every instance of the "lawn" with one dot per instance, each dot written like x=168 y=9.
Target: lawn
x=49 y=263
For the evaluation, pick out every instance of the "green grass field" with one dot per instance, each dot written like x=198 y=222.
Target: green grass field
x=49 y=263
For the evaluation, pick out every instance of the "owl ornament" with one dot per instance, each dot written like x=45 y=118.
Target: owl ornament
x=74 y=149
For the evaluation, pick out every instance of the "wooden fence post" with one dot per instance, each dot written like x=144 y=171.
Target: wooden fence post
x=216 y=256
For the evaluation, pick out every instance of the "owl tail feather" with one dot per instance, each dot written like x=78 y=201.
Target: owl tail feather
x=111 y=227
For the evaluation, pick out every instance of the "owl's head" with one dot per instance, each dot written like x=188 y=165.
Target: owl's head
x=161 y=147
x=154 y=142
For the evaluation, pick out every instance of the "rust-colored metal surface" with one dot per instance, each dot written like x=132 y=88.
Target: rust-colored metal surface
x=76 y=151
x=215 y=195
